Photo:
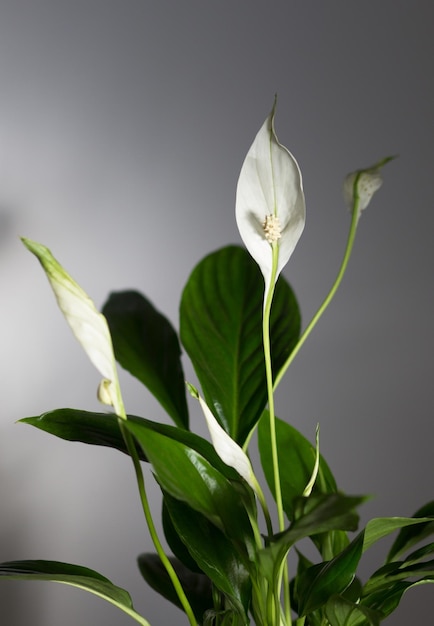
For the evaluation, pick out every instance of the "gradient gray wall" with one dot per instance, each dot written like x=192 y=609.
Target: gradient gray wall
x=123 y=126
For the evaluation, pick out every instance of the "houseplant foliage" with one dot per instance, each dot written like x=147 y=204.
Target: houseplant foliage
x=240 y=326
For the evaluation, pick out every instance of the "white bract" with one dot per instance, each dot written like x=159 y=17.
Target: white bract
x=227 y=449
x=87 y=323
x=360 y=186
x=270 y=206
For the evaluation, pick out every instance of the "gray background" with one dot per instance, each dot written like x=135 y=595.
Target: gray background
x=123 y=126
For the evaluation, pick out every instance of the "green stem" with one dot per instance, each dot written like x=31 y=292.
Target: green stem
x=129 y=441
x=329 y=297
x=272 y=418
x=132 y=451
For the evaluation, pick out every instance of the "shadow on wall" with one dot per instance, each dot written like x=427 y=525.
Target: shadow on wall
x=20 y=602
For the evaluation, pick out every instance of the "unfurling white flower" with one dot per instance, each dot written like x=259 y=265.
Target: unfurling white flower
x=87 y=323
x=360 y=186
x=227 y=449
x=270 y=206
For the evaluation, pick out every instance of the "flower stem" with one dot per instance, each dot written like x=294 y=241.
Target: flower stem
x=330 y=295
x=272 y=420
x=129 y=442
x=132 y=451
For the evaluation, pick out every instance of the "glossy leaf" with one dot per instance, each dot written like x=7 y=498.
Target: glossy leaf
x=408 y=537
x=146 y=344
x=296 y=461
x=102 y=429
x=73 y=575
x=319 y=582
x=382 y=526
x=175 y=543
x=188 y=476
x=342 y=612
x=221 y=330
x=213 y=552
x=197 y=587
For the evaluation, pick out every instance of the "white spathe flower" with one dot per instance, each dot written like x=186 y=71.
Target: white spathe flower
x=270 y=207
x=227 y=449
x=360 y=186
x=87 y=323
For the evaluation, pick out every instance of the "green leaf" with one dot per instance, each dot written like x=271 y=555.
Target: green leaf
x=146 y=344
x=102 y=429
x=319 y=582
x=296 y=460
x=387 y=599
x=317 y=514
x=396 y=571
x=175 y=543
x=73 y=575
x=382 y=526
x=188 y=476
x=213 y=552
x=221 y=330
x=408 y=537
x=342 y=612
x=197 y=587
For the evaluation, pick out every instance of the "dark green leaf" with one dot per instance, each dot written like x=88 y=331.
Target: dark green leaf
x=146 y=344
x=319 y=582
x=387 y=599
x=175 y=543
x=102 y=429
x=408 y=537
x=213 y=552
x=343 y=612
x=221 y=330
x=396 y=571
x=197 y=587
x=382 y=526
x=316 y=514
x=296 y=461
x=188 y=476
x=74 y=575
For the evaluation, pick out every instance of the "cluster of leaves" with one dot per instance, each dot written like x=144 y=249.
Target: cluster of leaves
x=229 y=567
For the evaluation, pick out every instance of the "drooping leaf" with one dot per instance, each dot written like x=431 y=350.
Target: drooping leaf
x=146 y=344
x=319 y=582
x=221 y=330
x=102 y=429
x=74 y=575
x=296 y=461
x=197 y=587
x=213 y=552
x=188 y=476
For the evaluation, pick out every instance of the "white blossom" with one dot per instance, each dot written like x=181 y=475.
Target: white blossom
x=270 y=206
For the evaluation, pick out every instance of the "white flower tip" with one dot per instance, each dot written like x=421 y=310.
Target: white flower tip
x=227 y=449
x=360 y=186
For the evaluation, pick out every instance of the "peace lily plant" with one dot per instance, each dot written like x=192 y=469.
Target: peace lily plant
x=229 y=561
